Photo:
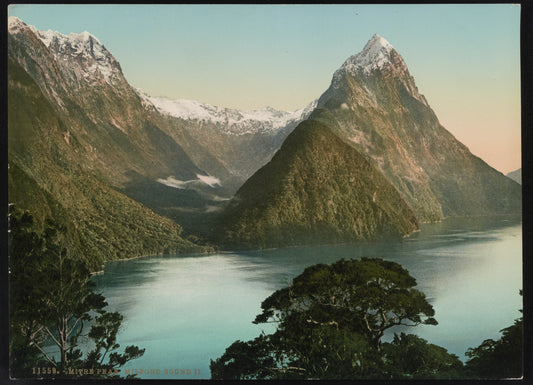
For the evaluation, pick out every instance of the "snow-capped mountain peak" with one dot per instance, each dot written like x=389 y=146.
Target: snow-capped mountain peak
x=78 y=40
x=375 y=55
x=378 y=42
x=14 y=24
x=85 y=49
x=231 y=121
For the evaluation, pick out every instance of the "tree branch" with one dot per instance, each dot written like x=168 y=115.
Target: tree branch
x=283 y=370
x=368 y=325
x=35 y=333
x=324 y=323
x=52 y=336
x=384 y=317
x=103 y=355
x=44 y=353
x=73 y=327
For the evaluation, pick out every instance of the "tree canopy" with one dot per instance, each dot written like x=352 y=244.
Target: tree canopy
x=499 y=359
x=52 y=301
x=409 y=356
x=330 y=322
x=367 y=296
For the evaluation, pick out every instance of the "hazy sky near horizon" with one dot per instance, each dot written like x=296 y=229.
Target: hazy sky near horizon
x=465 y=58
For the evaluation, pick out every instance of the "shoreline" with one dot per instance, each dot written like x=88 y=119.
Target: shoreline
x=199 y=254
x=148 y=255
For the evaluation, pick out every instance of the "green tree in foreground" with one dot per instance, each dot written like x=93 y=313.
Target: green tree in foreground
x=330 y=322
x=52 y=302
x=409 y=356
x=499 y=359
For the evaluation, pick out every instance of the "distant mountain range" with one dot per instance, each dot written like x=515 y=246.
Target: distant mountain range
x=230 y=121
x=130 y=174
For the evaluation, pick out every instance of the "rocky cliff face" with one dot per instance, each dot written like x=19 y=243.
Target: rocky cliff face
x=374 y=102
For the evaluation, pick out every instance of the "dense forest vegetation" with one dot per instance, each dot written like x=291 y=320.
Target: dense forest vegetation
x=316 y=189
x=53 y=303
x=53 y=178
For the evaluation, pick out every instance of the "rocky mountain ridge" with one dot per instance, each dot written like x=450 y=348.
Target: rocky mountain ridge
x=95 y=61
x=75 y=122
x=378 y=109
x=231 y=121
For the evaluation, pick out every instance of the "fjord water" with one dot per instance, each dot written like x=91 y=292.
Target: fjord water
x=185 y=310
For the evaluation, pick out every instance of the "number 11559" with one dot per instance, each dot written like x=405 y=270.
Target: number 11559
x=44 y=370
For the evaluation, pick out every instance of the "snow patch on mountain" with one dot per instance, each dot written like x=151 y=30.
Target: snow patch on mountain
x=375 y=55
x=265 y=120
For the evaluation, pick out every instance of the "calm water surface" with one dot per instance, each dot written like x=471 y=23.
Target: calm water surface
x=185 y=310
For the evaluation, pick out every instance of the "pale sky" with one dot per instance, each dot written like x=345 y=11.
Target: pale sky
x=465 y=58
